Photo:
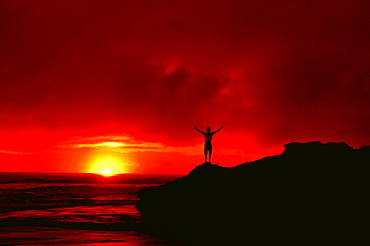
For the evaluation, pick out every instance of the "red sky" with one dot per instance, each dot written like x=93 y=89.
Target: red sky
x=75 y=74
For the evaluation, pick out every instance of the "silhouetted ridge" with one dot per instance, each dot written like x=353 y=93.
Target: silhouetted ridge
x=313 y=193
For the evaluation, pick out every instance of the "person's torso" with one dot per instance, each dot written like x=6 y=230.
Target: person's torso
x=208 y=137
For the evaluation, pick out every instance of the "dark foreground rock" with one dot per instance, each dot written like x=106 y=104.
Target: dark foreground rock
x=313 y=193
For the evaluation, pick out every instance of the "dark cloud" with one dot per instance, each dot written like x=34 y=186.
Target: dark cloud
x=280 y=70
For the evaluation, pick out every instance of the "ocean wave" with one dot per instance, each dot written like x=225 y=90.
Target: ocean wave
x=59 y=196
x=88 y=178
x=56 y=188
x=125 y=224
x=91 y=217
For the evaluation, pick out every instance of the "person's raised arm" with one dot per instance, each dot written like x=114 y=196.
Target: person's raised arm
x=218 y=129
x=198 y=129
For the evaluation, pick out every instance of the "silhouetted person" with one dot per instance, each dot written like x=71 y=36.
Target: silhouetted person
x=208 y=141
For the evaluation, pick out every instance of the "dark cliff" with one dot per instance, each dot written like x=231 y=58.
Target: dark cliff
x=312 y=193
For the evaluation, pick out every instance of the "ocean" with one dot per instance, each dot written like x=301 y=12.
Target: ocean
x=76 y=209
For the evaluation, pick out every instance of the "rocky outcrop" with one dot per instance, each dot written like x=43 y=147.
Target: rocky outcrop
x=313 y=193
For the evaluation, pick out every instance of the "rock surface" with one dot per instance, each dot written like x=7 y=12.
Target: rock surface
x=313 y=193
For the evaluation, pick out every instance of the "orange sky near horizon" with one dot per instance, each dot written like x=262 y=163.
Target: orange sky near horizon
x=41 y=151
x=85 y=82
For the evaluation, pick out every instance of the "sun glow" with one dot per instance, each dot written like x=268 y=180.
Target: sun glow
x=104 y=144
x=107 y=167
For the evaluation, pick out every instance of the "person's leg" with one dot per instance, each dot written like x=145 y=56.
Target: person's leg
x=210 y=153
x=205 y=154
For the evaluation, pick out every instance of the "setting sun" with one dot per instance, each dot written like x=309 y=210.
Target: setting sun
x=106 y=172
x=107 y=167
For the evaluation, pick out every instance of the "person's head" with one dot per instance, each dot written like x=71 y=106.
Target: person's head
x=208 y=129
